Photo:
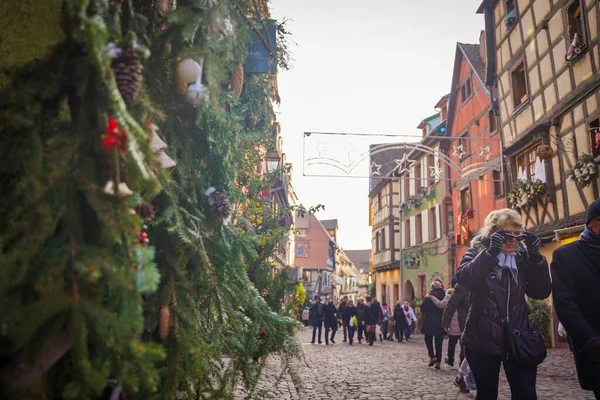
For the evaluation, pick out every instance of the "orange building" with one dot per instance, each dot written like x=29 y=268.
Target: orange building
x=476 y=175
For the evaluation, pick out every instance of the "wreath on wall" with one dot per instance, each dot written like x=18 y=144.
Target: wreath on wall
x=586 y=171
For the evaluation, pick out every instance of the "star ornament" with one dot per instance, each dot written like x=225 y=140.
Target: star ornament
x=435 y=170
x=375 y=168
x=321 y=148
x=484 y=152
x=404 y=163
x=459 y=151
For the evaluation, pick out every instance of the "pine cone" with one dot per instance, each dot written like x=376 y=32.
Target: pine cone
x=146 y=211
x=164 y=322
x=220 y=205
x=128 y=73
x=237 y=80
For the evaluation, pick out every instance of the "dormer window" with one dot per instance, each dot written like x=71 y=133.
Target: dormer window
x=576 y=41
x=511 y=17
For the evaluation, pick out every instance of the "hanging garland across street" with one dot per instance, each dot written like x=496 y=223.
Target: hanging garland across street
x=134 y=239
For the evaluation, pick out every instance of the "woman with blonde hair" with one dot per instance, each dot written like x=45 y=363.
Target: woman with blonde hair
x=501 y=267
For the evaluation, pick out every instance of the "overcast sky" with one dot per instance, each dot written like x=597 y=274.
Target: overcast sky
x=376 y=66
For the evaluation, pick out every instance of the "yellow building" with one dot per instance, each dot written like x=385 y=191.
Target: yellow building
x=543 y=62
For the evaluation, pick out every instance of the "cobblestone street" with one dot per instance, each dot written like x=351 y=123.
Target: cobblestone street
x=392 y=370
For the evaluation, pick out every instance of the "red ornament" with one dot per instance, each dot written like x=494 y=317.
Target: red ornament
x=114 y=136
x=265 y=193
x=144 y=235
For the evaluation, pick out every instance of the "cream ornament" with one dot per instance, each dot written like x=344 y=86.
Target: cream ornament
x=122 y=189
x=189 y=70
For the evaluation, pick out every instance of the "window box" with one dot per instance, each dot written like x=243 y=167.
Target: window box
x=526 y=193
x=511 y=19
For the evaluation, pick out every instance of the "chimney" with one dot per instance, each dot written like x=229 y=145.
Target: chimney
x=482 y=48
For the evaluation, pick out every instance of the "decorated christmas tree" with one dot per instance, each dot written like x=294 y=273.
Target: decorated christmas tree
x=133 y=235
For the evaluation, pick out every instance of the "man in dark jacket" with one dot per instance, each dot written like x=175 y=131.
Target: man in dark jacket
x=432 y=324
x=372 y=317
x=341 y=309
x=317 y=312
x=361 y=314
x=576 y=279
x=459 y=302
x=331 y=314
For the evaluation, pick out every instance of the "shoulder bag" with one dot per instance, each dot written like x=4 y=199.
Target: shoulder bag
x=525 y=347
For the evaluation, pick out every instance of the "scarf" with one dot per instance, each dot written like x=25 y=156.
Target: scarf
x=590 y=237
x=507 y=262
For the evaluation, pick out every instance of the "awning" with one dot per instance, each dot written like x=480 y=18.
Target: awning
x=571 y=231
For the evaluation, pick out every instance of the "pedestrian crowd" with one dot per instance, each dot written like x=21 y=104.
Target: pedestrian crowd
x=485 y=312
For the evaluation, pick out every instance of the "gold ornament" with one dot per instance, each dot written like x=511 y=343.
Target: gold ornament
x=545 y=151
x=164 y=322
x=237 y=80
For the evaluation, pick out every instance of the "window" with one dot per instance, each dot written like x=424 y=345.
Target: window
x=465 y=199
x=377 y=248
x=511 y=18
x=406 y=186
x=383 y=293
x=383 y=239
x=430 y=166
x=492 y=121
x=575 y=23
x=418 y=182
x=450 y=218
x=466 y=90
x=519 y=86
x=407 y=233
x=302 y=250
x=525 y=163
x=595 y=137
x=306 y=276
x=419 y=228
x=379 y=201
x=433 y=224
x=396 y=294
x=497 y=178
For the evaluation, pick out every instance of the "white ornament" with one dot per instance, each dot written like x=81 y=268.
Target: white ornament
x=122 y=189
x=157 y=143
x=459 y=151
x=375 y=168
x=224 y=26
x=113 y=50
x=196 y=93
x=209 y=193
x=189 y=70
x=165 y=160
x=404 y=163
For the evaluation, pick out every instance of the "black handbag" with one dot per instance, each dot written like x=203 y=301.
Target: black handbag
x=526 y=346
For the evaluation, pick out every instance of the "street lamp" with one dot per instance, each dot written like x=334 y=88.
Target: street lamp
x=273 y=160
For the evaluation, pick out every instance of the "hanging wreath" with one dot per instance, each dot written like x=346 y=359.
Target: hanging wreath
x=586 y=170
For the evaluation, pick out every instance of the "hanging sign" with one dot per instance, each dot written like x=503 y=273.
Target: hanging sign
x=262 y=59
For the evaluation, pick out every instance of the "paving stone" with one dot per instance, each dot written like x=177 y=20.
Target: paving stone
x=392 y=370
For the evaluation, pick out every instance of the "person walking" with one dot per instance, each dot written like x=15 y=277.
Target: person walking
x=372 y=315
x=400 y=322
x=385 y=319
x=502 y=261
x=317 y=312
x=341 y=308
x=349 y=316
x=458 y=307
x=432 y=324
x=453 y=330
x=305 y=316
x=361 y=313
x=331 y=320
x=576 y=280
x=411 y=319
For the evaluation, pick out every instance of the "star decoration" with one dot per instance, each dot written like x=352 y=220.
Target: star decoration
x=484 y=152
x=349 y=148
x=404 y=163
x=435 y=170
x=375 y=168
x=459 y=151
x=321 y=148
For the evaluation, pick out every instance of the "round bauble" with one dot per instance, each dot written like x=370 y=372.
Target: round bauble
x=196 y=93
x=545 y=151
x=188 y=70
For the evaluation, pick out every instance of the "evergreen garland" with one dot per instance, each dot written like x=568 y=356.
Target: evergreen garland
x=88 y=310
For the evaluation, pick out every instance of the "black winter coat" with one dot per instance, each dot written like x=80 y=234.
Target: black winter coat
x=459 y=302
x=432 y=315
x=330 y=315
x=361 y=312
x=342 y=308
x=317 y=312
x=348 y=313
x=373 y=314
x=400 y=317
x=576 y=279
x=483 y=331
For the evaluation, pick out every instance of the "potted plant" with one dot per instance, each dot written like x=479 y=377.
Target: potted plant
x=539 y=313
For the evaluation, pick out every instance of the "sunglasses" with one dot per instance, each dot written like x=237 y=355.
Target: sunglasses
x=510 y=236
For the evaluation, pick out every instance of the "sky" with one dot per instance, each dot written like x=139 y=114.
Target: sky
x=376 y=66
